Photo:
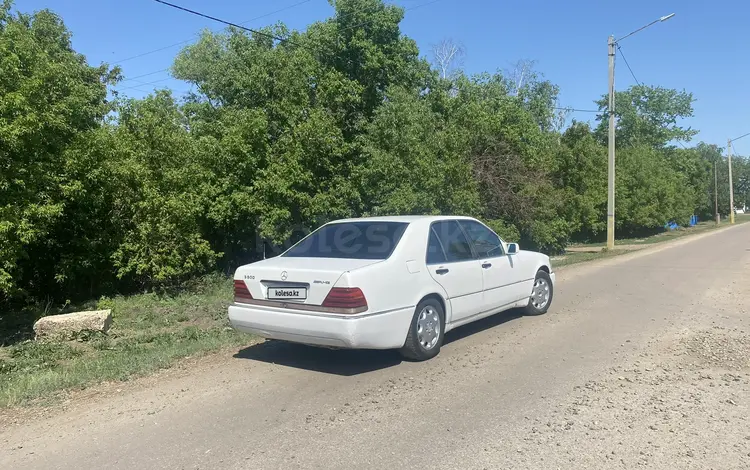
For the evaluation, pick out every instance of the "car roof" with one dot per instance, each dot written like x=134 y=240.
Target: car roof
x=403 y=218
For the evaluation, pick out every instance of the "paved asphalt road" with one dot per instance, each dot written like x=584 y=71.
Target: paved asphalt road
x=570 y=389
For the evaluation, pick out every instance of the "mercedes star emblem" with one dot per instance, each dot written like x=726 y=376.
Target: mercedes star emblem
x=283 y=275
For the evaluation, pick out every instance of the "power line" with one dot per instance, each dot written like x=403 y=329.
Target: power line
x=229 y=23
x=261 y=33
x=738 y=138
x=421 y=5
x=288 y=7
x=626 y=63
x=132 y=88
x=579 y=110
x=145 y=75
x=145 y=83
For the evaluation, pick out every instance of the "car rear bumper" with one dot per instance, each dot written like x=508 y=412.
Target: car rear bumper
x=382 y=330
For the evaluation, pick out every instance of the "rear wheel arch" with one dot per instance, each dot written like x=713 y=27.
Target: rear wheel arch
x=437 y=297
x=544 y=268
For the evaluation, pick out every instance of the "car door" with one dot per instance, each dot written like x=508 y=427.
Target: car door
x=452 y=264
x=501 y=276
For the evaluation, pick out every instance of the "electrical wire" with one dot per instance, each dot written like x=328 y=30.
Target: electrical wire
x=579 y=110
x=229 y=23
x=626 y=63
x=738 y=138
x=135 y=87
x=262 y=33
x=288 y=7
x=144 y=75
x=254 y=31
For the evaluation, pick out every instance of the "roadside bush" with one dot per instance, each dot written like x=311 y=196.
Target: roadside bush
x=100 y=197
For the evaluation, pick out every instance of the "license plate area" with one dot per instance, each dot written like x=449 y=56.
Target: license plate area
x=287 y=293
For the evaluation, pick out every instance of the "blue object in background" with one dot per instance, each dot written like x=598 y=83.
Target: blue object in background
x=674 y=226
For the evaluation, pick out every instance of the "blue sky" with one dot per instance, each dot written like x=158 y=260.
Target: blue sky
x=702 y=49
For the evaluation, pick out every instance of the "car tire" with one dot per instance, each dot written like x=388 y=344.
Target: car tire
x=426 y=331
x=541 y=294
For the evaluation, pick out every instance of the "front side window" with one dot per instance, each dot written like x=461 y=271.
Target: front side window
x=352 y=240
x=484 y=240
x=455 y=243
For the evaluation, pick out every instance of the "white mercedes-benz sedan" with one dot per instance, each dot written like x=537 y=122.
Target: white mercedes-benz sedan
x=388 y=283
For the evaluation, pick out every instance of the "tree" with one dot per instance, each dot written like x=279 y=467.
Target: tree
x=363 y=41
x=650 y=193
x=580 y=171
x=742 y=185
x=511 y=157
x=537 y=95
x=49 y=96
x=521 y=73
x=696 y=164
x=647 y=116
x=415 y=163
x=448 y=56
x=281 y=135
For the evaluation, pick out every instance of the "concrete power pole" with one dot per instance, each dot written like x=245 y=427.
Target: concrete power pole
x=716 y=196
x=611 y=148
x=731 y=183
x=611 y=43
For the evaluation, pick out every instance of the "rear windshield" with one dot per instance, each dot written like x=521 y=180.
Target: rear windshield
x=353 y=240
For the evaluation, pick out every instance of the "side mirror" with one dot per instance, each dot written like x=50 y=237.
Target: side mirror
x=513 y=248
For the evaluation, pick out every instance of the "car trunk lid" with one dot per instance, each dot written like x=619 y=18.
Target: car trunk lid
x=302 y=280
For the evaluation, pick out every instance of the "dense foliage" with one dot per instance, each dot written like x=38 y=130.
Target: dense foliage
x=100 y=194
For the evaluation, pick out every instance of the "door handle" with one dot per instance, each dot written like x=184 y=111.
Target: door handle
x=441 y=271
x=486 y=265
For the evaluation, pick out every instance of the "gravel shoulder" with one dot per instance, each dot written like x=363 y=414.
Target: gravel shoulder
x=643 y=361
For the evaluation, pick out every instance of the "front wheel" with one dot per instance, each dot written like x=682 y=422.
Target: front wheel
x=541 y=295
x=425 y=332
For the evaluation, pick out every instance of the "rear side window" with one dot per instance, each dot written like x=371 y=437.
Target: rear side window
x=352 y=240
x=455 y=243
x=435 y=253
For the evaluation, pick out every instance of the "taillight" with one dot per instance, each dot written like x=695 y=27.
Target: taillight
x=346 y=297
x=241 y=292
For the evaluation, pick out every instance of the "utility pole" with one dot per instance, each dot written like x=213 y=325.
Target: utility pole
x=611 y=149
x=611 y=43
x=716 y=196
x=731 y=183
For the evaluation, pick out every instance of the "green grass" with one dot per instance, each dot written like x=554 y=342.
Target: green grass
x=581 y=257
x=671 y=234
x=149 y=332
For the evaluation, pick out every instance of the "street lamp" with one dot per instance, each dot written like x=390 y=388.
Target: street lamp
x=731 y=182
x=612 y=42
